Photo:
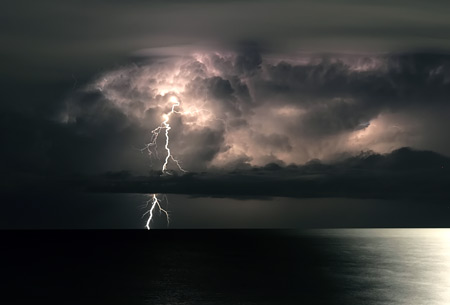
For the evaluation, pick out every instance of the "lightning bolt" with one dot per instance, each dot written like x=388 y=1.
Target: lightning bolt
x=156 y=133
x=152 y=149
x=154 y=200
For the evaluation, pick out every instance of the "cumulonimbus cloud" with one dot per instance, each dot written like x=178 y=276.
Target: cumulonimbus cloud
x=247 y=108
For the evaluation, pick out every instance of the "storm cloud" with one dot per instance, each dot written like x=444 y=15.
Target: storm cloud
x=404 y=174
x=244 y=108
x=285 y=98
x=301 y=92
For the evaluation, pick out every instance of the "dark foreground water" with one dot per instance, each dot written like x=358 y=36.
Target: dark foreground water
x=338 y=266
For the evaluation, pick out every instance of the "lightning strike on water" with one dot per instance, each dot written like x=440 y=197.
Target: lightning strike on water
x=152 y=148
x=154 y=201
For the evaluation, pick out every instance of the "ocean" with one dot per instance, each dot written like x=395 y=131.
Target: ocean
x=213 y=266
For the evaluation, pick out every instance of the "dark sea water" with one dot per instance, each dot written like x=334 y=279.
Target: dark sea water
x=335 y=266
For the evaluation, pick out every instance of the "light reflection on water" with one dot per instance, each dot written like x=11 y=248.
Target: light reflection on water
x=388 y=266
x=247 y=267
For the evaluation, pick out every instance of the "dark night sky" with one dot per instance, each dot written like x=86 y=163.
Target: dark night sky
x=298 y=98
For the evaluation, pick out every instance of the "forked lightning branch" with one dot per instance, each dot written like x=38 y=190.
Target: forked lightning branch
x=155 y=200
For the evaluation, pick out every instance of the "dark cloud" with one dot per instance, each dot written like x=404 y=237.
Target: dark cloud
x=287 y=111
x=249 y=59
x=83 y=86
x=315 y=103
x=404 y=174
x=274 y=141
x=309 y=102
x=75 y=37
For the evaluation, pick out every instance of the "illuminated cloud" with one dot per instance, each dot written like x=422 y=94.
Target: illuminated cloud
x=249 y=109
